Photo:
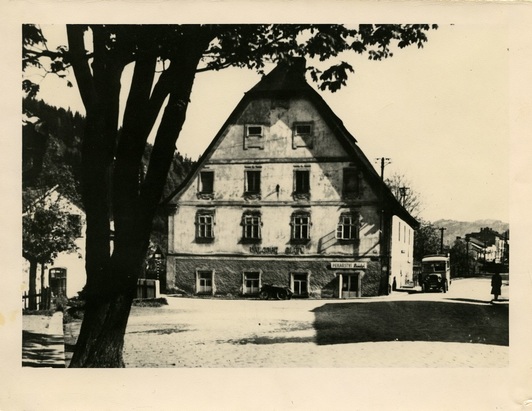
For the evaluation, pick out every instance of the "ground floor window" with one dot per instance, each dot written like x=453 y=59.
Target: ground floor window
x=204 y=282
x=251 y=282
x=300 y=284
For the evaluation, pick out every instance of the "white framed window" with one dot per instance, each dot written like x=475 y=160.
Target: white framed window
x=302 y=135
x=300 y=226
x=205 y=282
x=251 y=282
x=348 y=226
x=254 y=136
x=205 y=225
x=251 y=226
x=299 y=283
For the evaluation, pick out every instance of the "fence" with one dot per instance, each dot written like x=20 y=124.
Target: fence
x=43 y=300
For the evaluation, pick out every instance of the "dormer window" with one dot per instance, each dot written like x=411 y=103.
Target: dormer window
x=254 y=136
x=302 y=135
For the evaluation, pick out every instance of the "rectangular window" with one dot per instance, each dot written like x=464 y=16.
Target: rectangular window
x=252 y=182
x=251 y=226
x=205 y=226
x=302 y=181
x=251 y=282
x=348 y=227
x=206 y=182
x=204 y=282
x=254 y=136
x=300 y=284
x=302 y=135
x=351 y=184
x=301 y=226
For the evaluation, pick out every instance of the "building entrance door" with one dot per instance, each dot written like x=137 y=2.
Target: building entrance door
x=349 y=285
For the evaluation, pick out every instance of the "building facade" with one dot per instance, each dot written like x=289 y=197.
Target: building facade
x=283 y=195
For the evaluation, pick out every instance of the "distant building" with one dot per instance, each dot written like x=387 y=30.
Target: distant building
x=490 y=243
x=66 y=275
x=284 y=195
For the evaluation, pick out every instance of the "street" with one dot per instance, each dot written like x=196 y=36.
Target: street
x=460 y=328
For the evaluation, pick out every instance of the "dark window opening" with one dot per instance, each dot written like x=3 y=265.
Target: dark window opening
x=253 y=182
x=206 y=182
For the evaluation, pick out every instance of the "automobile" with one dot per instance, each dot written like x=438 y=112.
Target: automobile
x=436 y=274
x=275 y=292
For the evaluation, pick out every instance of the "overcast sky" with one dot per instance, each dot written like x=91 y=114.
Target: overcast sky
x=440 y=114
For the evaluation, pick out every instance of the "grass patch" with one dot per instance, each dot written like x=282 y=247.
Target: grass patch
x=149 y=302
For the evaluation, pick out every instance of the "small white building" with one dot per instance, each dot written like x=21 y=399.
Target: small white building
x=68 y=268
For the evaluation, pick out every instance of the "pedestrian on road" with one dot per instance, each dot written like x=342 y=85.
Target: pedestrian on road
x=496 y=283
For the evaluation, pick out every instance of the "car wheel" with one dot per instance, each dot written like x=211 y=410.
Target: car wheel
x=282 y=295
x=263 y=295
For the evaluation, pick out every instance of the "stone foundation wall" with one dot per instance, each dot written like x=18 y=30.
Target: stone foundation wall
x=228 y=274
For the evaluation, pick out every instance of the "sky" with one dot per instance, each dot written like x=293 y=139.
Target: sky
x=439 y=113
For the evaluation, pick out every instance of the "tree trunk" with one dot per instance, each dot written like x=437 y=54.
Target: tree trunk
x=111 y=281
x=32 y=293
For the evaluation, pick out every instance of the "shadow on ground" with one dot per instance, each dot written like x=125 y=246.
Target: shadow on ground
x=411 y=321
x=42 y=350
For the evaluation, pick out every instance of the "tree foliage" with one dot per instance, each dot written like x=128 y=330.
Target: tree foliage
x=426 y=240
x=403 y=191
x=166 y=59
x=48 y=230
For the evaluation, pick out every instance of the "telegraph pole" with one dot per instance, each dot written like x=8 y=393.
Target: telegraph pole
x=385 y=269
x=384 y=162
x=402 y=191
x=442 y=229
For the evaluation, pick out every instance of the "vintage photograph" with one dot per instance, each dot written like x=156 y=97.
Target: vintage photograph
x=274 y=205
x=265 y=195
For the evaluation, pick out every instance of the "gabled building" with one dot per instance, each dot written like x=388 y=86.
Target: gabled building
x=66 y=276
x=284 y=195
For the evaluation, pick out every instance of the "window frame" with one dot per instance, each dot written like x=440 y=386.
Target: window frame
x=199 y=272
x=293 y=281
x=245 y=225
x=302 y=140
x=247 y=190
x=353 y=227
x=297 y=190
x=201 y=235
x=254 y=140
x=201 y=185
x=258 y=273
x=296 y=227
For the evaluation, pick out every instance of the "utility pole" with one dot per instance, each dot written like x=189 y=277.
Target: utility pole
x=402 y=192
x=385 y=268
x=442 y=229
x=384 y=162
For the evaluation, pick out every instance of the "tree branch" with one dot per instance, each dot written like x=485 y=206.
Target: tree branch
x=80 y=63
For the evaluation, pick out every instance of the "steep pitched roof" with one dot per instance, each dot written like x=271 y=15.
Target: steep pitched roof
x=287 y=79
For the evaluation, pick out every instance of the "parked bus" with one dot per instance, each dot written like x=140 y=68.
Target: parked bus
x=435 y=273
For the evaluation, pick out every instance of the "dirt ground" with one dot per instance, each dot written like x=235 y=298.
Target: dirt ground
x=461 y=328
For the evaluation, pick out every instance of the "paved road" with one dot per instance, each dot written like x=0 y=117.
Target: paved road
x=193 y=332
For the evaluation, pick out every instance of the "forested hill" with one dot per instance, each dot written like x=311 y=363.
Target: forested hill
x=63 y=152
x=455 y=228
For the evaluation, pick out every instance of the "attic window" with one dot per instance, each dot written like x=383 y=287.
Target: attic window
x=302 y=135
x=254 y=136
